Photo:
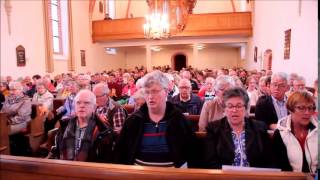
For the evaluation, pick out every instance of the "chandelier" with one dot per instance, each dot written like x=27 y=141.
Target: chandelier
x=157 y=25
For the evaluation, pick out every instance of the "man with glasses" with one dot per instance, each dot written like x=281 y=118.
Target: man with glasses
x=157 y=134
x=109 y=111
x=271 y=108
x=186 y=101
x=84 y=138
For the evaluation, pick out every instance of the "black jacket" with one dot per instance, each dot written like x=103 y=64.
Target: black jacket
x=265 y=111
x=179 y=136
x=220 y=146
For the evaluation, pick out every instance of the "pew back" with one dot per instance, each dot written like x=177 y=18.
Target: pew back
x=4 y=134
x=13 y=167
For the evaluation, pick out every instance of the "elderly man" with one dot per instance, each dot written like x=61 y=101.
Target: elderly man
x=108 y=111
x=187 y=75
x=272 y=107
x=84 y=137
x=185 y=100
x=157 y=134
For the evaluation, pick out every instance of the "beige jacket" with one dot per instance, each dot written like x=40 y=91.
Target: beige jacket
x=211 y=111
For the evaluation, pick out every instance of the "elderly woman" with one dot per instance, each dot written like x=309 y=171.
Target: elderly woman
x=213 y=110
x=139 y=99
x=264 y=86
x=235 y=140
x=43 y=96
x=252 y=90
x=67 y=110
x=18 y=108
x=296 y=137
x=158 y=133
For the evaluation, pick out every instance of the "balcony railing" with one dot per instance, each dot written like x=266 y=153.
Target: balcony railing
x=212 y=24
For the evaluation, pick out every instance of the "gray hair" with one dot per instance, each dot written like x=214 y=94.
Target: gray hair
x=281 y=75
x=90 y=94
x=184 y=80
x=236 y=92
x=169 y=76
x=300 y=78
x=156 y=77
x=139 y=83
x=138 y=94
x=103 y=86
x=15 y=85
x=224 y=80
x=41 y=83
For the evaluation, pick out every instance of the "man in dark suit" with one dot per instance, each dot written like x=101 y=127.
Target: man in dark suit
x=272 y=108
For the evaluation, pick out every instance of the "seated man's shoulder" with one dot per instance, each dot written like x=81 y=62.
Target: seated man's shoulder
x=263 y=100
x=259 y=125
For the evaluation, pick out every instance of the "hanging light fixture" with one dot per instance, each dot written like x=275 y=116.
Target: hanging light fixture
x=157 y=25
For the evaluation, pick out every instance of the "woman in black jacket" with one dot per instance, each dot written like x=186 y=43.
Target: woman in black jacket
x=236 y=140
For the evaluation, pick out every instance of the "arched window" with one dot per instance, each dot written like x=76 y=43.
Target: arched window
x=54 y=9
x=110 y=8
x=58 y=33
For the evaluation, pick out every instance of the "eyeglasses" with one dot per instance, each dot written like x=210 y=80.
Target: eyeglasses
x=152 y=92
x=184 y=87
x=278 y=85
x=100 y=95
x=237 y=107
x=304 y=108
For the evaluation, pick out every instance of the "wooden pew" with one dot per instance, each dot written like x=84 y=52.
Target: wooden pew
x=56 y=104
x=36 y=135
x=13 y=167
x=4 y=134
x=50 y=140
x=128 y=108
x=194 y=121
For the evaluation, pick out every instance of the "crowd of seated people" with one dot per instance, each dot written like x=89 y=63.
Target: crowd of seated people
x=93 y=116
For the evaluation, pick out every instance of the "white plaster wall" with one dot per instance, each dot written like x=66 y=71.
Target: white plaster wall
x=164 y=56
x=96 y=59
x=28 y=30
x=136 y=57
x=215 y=58
x=272 y=18
x=211 y=57
x=25 y=32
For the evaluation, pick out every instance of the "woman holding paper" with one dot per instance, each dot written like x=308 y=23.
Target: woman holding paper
x=235 y=140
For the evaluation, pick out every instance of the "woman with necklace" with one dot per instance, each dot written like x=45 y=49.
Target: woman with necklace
x=295 y=140
x=235 y=140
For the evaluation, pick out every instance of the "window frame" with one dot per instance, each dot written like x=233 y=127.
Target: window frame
x=59 y=20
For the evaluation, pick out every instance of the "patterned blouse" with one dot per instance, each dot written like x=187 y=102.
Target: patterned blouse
x=240 y=157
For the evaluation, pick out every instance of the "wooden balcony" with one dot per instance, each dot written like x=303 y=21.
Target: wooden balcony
x=213 y=24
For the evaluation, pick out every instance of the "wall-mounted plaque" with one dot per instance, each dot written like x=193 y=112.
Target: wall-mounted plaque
x=21 y=56
x=83 y=57
x=255 y=55
x=287 y=42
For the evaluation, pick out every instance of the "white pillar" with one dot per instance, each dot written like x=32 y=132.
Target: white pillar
x=148 y=58
x=195 y=56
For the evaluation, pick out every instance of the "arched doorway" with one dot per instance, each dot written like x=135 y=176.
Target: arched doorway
x=179 y=61
x=267 y=59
